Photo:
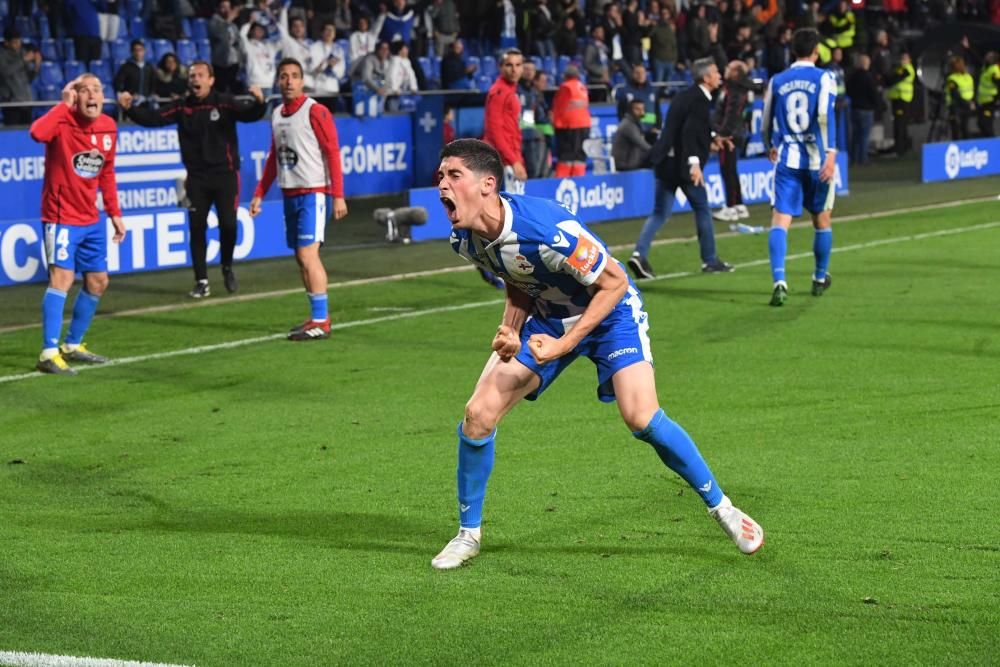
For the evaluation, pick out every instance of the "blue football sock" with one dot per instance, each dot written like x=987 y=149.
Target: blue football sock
x=318 y=303
x=777 y=247
x=475 y=463
x=677 y=450
x=83 y=312
x=52 y=314
x=822 y=247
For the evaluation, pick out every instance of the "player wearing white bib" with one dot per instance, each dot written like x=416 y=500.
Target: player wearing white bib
x=305 y=158
x=801 y=134
x=566 y=297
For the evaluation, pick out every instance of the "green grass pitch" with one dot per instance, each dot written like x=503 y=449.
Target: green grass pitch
x=279 y=504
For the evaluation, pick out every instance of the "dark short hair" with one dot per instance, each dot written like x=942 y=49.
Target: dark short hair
x=511 y=52
x=205 y=63
x=396 y=47
x=289 y=61
x=478 y=156
x=804 y=42
x=11 y=33
x=136 y=42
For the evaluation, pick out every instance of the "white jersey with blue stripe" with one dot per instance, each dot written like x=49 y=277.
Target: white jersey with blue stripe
x=798 y=115
x=544 y=251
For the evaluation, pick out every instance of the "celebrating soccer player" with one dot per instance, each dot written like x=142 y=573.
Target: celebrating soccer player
x=801 y=136
x=79 y=157
x=305 y=157
x=566 y=297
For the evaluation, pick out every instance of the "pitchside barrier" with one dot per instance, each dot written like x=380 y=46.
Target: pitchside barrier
x=629 y=194
x=972 y=158
x=384 y=155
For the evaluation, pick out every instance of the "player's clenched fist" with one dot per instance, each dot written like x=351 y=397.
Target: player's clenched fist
x=69 y=92
x=506 y=343
x=545 y=348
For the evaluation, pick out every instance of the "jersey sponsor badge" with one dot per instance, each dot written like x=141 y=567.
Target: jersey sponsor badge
x=287 y=157
x=88 y=165
x=584 y=255
x=213 y=115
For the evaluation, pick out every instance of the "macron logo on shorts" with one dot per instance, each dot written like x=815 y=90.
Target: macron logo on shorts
x=623 y=351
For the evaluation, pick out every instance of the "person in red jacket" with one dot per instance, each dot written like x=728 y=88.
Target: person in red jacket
x=79 y=157
x=571 y=119
x=502 y=123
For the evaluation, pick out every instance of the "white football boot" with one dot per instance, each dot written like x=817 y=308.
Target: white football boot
x=741 y=529
x=742 y=213
x=462 y=547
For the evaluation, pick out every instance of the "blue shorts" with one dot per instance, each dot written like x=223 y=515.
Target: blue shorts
x=794 y=188
x=621 y=340
x=79 y=248
x=305 y=219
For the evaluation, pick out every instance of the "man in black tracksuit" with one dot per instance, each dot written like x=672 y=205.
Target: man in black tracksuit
x=206 y=126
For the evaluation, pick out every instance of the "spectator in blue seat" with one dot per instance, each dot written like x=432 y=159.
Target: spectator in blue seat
x=18 y=68
x=456 y=74
x=396 y=23
x=136 y=76
x=171 y=78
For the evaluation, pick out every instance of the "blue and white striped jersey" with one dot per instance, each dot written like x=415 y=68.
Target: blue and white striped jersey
x=544 y=251
x=798 y=115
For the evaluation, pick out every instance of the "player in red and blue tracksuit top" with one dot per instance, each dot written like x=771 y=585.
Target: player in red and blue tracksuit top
x=305 y=159
x=79 y=158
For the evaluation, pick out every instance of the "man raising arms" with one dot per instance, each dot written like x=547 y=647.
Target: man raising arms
x=79 y=157
x=305 y=158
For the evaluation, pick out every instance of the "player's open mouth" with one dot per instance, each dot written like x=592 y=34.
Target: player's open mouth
x=91 y=106
x=450 y=209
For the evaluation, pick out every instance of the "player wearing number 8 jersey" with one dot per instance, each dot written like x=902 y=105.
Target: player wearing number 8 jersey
x=566 y=298
x=801 y=136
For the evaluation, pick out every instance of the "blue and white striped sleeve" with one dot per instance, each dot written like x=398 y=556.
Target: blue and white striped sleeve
x=824 y=111
x=768 y=119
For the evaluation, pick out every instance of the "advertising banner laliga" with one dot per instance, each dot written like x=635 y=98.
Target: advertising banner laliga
x=948 y=161
x=629 y=194
x=376 y=155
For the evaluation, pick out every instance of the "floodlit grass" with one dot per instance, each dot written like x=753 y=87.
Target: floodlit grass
x=278 y=504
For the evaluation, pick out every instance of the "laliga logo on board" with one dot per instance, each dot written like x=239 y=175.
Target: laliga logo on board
x=573 y=197
x=955 y=159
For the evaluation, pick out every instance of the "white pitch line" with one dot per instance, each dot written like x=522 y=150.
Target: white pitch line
x=19 y=659
x=479 y=304
x=397 y=277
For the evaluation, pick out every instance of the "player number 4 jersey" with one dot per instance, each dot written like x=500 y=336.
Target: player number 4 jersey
x=544 y=251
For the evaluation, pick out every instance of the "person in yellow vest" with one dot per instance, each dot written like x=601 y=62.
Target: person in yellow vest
x=959 y=96
x=842 y=22
x=900 y=94
x=986 y=96
x=825 y=49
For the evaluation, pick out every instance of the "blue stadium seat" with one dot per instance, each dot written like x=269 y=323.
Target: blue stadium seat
x=110 y=100
x=549 y=65
x=134 y=8
x=106 y=51
x=474 y=60
x=617 y=79
x=489 y=66
x=101 y=69
x=537 y=61
x=204 y=50
x=160 y=47
x=136 y=27
x=186 y=51
x=43 y=25
x=564 y=61
x=199 y=29
x=49 y=50
x=26 y=27
x=51 y=74
x=68 y=49
x=44 y=93
x=4 y=8
x=72 y=69
x=120 y=50
x=484 y=82
x=425 y=66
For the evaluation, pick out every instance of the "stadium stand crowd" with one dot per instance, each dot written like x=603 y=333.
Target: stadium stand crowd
x=394 y=49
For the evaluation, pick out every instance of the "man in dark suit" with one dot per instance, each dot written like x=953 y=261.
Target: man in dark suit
x=678 y=159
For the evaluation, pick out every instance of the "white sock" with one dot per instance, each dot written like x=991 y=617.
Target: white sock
x=48 y=353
